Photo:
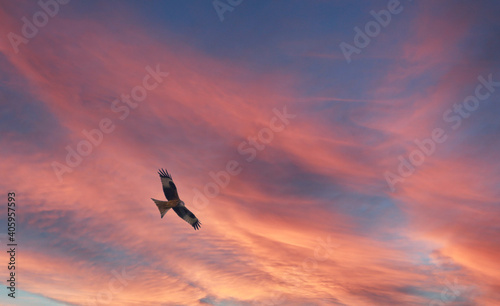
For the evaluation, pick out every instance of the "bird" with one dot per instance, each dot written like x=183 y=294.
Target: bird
x=173 y=201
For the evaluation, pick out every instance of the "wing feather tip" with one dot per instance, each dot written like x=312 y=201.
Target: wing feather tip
x=197 y=225
x=164 y=173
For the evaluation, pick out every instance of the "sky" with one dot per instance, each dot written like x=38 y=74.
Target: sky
x=335 y=152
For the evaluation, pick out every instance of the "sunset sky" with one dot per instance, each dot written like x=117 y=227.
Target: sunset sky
x=336 y=152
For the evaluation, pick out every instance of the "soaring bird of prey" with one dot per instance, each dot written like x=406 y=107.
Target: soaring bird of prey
x=173 y=201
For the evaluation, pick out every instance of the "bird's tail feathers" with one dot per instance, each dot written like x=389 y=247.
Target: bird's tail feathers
x=162 y=206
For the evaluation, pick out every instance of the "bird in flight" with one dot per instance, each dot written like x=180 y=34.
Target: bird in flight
x=173 y=201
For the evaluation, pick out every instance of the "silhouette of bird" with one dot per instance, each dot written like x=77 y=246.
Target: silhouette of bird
x=173 y=201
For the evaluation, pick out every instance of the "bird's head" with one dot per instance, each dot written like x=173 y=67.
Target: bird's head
x=181 y=203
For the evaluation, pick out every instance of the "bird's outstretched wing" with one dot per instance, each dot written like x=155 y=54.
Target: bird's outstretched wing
x=188 y=216
x=169 y=188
